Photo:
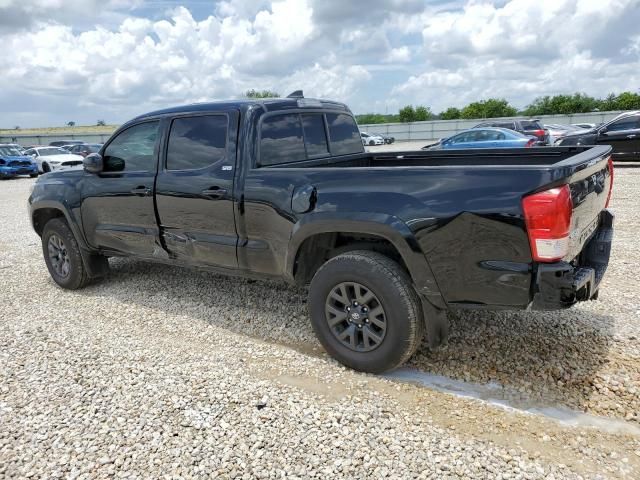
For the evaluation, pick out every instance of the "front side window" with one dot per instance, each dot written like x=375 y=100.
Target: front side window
x=343 y=134
x=629 y=123
x=196 y=142
x=133 y=149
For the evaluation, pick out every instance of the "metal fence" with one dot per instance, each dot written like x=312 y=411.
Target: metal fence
x=437 y=129
x=27 y=140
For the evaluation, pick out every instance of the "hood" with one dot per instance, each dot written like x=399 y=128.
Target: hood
x=20 y=158
x=66 y=157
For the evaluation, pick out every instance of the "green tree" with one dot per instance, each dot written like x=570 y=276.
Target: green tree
x=627 y=101
x=17 y=127
x=261 y=94
x=423 y=113
x=71 y=124
x=370 y=118
x=491 y=108
x=451 y=113
x=100 y=123
x=562 y=104
x=407 y=114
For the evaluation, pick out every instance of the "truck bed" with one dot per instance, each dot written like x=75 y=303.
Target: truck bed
x=500 y=157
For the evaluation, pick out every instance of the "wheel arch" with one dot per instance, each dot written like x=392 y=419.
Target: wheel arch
x=318 y=232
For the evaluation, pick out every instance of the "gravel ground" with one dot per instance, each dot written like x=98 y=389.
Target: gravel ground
x=161 y=372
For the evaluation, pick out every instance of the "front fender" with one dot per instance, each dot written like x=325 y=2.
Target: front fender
x=386 y=226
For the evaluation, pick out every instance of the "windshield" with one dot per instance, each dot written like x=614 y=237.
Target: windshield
x=52 y=151
x=8 y=151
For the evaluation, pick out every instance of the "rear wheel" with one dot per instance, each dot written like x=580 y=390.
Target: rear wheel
x=33 y=175
x=365 y=311
x=62 y=255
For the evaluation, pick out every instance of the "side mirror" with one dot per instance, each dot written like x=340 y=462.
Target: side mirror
x=93 y=163
x=602 y=130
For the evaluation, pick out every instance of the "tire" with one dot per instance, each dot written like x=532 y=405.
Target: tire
x=46 y=168
x=33 y=175
x=58 y=238
x=383 y=284
x=371 y=143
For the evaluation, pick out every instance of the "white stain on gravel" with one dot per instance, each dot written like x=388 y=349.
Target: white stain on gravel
x=503 y=397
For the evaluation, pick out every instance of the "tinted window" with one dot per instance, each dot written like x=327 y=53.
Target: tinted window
x=132 y=149
x=344 y=134
x=196 y=142
x=315 y=137
x=629 y=123
x=531 y=125
x=281 y=140
x=509 y=125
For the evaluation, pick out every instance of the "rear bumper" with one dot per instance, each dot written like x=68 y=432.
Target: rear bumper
x=562 y=284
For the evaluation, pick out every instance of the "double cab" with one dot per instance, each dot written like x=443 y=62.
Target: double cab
x=387 y=243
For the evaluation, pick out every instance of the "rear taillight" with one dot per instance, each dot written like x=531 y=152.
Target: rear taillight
x=539 y=133
x=610 y=163
x=548 y=218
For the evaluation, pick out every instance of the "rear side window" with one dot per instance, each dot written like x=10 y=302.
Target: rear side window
x=281 y=140
x=509 y=125
x=343 y=134
x=196 y=142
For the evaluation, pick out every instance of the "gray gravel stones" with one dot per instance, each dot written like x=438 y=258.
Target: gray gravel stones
x=160 y=372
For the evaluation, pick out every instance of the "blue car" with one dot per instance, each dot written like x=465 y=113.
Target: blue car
x=484 y=138
x=13 y=163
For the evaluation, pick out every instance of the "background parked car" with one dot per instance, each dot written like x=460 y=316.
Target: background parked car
x=558 y=131
x=484 y=138
x=85 y=149
x=387 y=139
x=371 y=139
x=622 y=133
x=526 y=127
x=14 y=162
x=60 y=143
x=55 y=158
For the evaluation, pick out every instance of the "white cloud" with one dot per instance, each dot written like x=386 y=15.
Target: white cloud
x=374 y=55
x=521 y=49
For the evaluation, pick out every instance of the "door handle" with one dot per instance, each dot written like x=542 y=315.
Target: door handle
x=141 y=191
x=631 y=136
x=214 y=192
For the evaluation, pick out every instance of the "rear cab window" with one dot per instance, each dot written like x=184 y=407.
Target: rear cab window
x=531 y=125
x=293 y=137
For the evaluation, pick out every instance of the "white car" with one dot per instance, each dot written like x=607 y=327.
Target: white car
x=371 y=140
x=50 y=159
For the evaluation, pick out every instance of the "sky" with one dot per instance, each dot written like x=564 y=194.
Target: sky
x=89 y=60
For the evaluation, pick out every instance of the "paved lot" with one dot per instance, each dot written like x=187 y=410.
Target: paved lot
x=164 y=372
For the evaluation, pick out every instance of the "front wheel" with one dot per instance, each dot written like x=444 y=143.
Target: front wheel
x=46 y=168
x=33 y=175
x=365 y=311
x=372 y=143
x=62 y=255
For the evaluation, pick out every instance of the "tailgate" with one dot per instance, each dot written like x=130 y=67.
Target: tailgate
x=590 y=187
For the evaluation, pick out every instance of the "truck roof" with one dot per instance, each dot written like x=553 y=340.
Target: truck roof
x=266 y=103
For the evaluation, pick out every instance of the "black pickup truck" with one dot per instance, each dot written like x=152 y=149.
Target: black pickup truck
x=387 y=242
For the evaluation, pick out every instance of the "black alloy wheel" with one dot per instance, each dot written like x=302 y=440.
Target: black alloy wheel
x=356 y=316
